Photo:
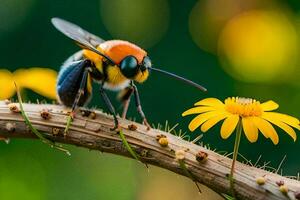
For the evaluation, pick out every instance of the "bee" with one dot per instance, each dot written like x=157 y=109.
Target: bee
x=114 y=64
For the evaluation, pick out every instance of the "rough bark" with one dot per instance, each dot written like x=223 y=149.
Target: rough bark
x=96 y=134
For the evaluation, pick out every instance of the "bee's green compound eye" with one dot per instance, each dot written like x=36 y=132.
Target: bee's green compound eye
x=129 y=66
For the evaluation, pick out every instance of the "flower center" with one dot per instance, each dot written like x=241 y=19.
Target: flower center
x=245 y=107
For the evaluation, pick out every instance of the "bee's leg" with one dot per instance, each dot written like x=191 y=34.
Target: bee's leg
x=125 y=108
x=109 y=106
x=139 y=106
x=81 y=90
x=124 y=96
x=77 y=98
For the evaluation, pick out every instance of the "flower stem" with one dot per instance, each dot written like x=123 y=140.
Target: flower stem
x=129 y=148
x=235 y=154
x=34 y=130
x=69 y=122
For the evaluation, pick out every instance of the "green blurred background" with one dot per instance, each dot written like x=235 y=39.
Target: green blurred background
x=243 y=48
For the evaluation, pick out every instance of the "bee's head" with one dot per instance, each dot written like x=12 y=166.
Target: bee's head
x=133 y=70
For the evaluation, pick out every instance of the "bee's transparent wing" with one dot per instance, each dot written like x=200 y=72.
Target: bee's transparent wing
x=83 y=38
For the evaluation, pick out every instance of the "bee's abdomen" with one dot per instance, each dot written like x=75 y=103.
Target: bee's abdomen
x=68 y=83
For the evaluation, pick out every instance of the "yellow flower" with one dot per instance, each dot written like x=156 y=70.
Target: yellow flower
x=253 y=116
x=7 y=87
x=39 y=80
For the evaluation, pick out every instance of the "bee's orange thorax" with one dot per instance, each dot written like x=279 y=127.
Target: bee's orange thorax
x=119 y=49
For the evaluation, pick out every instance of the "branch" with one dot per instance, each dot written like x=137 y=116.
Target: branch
x=96 y=134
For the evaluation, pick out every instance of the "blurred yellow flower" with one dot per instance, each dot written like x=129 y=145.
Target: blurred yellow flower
x=264 y=41
x=7 y=88
x=39 y=80
x=253 y=116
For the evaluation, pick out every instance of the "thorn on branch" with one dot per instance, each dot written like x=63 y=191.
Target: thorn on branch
x=280 y=183
x=55 y=131
x=162 y=140
x=180 y=155
x=45 y=114
x=284 y=189
x=261 y=180
x=88 y=113
x=201 y=156
x=14 y=108
x=10 y=127
x=132 y=127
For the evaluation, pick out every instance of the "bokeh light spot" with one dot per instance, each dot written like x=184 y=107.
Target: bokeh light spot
x=142 y=22
x=259 y=46
x=207 y=19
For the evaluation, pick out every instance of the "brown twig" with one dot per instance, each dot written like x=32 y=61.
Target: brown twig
x=96 y=134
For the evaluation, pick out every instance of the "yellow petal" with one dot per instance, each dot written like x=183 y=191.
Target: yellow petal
x=266 y=129
x=197 y=110
x=210 y=102
x=269 y=105
x=7 y=88
x=229 y=125
x=250 y=129
x=40 y=80
x=292 y=121
x=283 y=126
x=200 y=119
x=213 y=121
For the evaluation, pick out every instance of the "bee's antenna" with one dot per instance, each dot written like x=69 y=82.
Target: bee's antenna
x=180 y=78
